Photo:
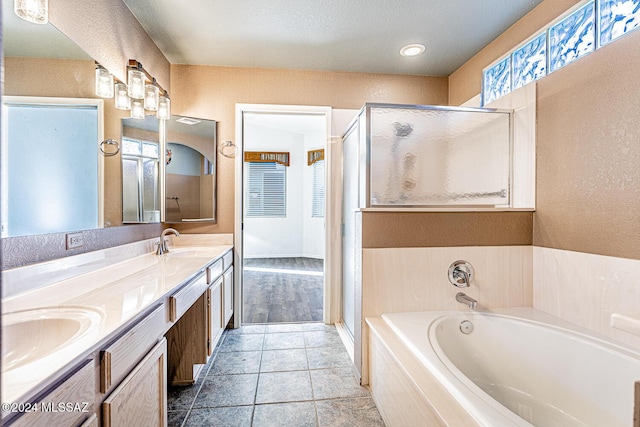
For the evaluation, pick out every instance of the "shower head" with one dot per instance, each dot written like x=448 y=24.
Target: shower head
x=402 y=129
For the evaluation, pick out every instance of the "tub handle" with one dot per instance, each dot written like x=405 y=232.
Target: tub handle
x=460 y=274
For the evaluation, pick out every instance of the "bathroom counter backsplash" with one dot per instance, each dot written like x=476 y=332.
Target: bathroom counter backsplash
x=118 y=289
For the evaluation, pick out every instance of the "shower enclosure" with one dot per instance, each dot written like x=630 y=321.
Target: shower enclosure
x=431 y=156
x=420 y=156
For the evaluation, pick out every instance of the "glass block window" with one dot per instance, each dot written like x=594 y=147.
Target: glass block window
x=530 y=61
x=265 y=190
x=497 y=81
x=572 y=38
x=150 y=149
x=617 y=17
x=317 y=198
x=131 y=146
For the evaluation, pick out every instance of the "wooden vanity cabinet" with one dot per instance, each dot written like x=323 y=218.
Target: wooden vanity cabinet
x=141 y=398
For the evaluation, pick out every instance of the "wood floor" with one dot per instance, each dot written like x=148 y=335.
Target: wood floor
x=282 y=290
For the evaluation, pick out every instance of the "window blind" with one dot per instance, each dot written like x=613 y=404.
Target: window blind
x=317 y=208
x=266 y=190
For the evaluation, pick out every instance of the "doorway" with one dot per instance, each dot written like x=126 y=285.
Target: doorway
x=282 y=191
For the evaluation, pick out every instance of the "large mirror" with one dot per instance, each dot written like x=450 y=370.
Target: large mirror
x=190 y=171
x=40 y=61
x=51 y=169
x=140 y=148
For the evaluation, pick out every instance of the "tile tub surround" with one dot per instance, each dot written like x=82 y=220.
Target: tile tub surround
x=120 y=290
x=588 y=290
x=308 y=381
x=415 y=279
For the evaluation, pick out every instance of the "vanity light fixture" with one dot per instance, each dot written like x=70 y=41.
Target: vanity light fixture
x=412 y=50
x=104 y=82
x=35 y=11
x=137 y=109
x=122 y=101
x=164 y=106
x=146 y=89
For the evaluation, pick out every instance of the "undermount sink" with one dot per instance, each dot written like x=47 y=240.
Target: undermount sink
x=192 y=252
x=33 y=335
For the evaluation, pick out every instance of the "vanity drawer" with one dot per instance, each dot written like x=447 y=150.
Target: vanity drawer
x=120 y=356
x=78 y=390
x=184 y=298
x=227 y=260
x=214 y=271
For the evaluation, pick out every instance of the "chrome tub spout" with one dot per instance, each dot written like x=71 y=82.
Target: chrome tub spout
x=463 y=298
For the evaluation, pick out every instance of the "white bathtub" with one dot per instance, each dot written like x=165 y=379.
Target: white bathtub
x=522 y=367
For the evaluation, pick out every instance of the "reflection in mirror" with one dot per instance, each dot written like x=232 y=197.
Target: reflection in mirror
x=190 y=173
x=140 y=170
x=40 y=61
x=51 y=170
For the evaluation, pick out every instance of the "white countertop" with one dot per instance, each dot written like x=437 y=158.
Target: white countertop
x=118 y=292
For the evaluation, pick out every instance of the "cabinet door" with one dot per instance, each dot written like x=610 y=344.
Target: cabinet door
x=214 y=298
x=140 y=400
x=78 y=390
x=227 y=295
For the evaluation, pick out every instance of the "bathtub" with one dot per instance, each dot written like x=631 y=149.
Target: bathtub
x=517 y=367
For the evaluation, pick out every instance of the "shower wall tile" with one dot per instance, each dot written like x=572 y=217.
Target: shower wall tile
x=415 y=279
x=588 y=290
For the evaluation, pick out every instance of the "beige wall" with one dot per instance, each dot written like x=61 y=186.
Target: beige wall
x=109 y=33
x=440 y=229
x=466 y=81
x=212 y=92
x=588 y=154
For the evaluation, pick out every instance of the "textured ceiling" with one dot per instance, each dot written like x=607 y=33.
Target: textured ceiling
x=338 y=35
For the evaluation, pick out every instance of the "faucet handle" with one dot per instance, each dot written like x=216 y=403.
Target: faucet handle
x=160 y=248
x=461 y=273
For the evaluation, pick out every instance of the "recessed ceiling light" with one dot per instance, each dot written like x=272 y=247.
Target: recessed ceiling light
x=412 y=50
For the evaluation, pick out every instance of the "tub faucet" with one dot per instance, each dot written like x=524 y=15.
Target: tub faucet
x=162 y=244
x=463 y=298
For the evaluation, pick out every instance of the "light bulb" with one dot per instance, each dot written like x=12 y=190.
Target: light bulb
x=137 y=109
x=136 y=84
x=151 y=97
x=104 y=82
x=164 y=107
x=123 y=102
x=36 y=11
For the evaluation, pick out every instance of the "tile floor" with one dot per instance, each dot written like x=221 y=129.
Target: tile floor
x=276 y=375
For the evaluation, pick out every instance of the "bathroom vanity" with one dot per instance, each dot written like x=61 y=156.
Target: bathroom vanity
x=99 y=344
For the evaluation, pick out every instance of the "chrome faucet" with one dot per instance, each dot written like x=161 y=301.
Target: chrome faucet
x=162 y=244
x=463 y=298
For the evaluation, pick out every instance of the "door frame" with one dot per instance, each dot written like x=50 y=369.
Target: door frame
x=329 y=290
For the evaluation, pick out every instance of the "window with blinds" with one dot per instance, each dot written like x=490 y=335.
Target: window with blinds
x=266 y=190
x=317 y=207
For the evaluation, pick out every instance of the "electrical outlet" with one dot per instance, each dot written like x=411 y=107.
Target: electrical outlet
x=74 y=240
